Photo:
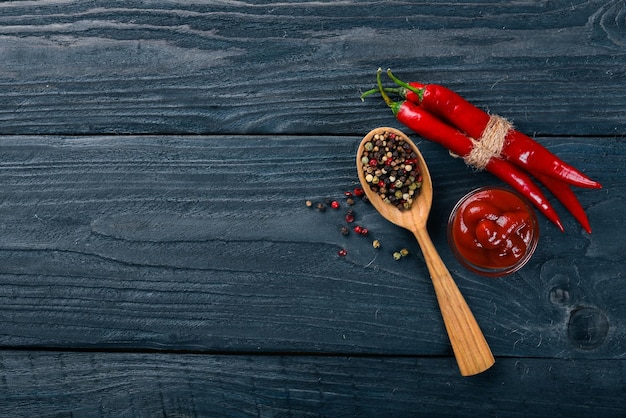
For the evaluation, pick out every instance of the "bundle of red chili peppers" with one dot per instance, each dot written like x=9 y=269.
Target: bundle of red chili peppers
x=487 y=142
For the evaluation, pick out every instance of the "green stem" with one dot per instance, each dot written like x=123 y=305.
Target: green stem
x=394 y=106
x=419 y=92
x=381 y=89
x=393 y=90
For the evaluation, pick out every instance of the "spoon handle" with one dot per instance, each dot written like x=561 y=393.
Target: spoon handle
x=471 y=350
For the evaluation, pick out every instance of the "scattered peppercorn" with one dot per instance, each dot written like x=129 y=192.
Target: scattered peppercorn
x=400 y=254
x=391 y=170
x=360 y=230
x=349 y=218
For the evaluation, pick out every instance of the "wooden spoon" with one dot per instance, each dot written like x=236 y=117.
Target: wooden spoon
x=470 y=348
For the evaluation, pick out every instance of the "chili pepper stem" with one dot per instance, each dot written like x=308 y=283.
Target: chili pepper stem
x=419 y=92
x=394 y=106
x=398 y=91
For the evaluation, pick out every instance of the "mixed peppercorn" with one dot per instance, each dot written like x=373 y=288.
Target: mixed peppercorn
x=391 y=169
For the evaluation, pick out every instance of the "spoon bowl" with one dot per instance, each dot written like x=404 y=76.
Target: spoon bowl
x=470 y=348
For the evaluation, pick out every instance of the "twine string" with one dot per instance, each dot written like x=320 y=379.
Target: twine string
x=490 y=143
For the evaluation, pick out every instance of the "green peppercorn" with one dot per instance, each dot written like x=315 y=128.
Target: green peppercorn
x=397 y=256
x=376 y=243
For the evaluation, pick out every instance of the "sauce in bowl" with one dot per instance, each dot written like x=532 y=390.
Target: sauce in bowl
x=493 y=231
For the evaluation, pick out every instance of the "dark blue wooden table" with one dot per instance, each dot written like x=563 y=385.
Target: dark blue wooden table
x=156 y=254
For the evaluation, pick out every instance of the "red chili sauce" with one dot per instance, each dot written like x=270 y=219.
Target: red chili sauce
x=493 y=229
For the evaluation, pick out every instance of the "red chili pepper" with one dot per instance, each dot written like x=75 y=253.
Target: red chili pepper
x=430 y=127
x=470 y=120
x=518 y=148
x=567 y=197
x=415 y=91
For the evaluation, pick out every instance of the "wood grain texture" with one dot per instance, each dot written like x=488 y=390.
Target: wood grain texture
x=202 y=243
x=187 y=385
x=156 y=255
x=552 y=67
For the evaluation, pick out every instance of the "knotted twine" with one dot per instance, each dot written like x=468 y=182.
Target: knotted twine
x=490 y=143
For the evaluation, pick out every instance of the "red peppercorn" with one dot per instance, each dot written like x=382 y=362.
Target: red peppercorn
x=348 y=194
x=342 y=252
x=349 y=218
x=334 y=204
x=359 y=192
x=364 y=231
x=373 y=162
x=358 y=229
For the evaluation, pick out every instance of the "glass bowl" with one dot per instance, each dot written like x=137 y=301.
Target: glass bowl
x=493 y=231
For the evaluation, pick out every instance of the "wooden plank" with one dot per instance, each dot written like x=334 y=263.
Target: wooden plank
x=188 y=385
x=205 y=243
x=552 y=67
